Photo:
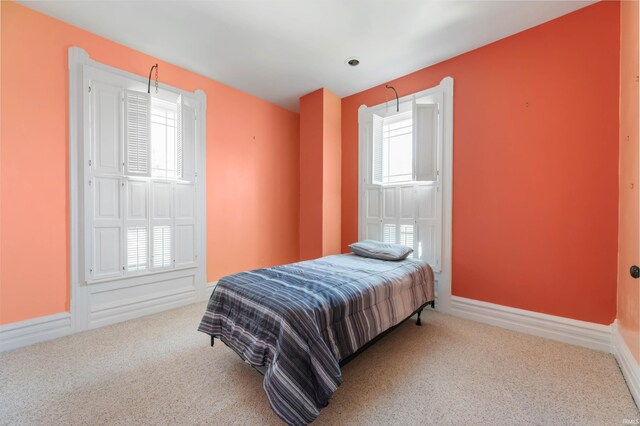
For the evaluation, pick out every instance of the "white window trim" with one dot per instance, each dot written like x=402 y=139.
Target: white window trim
x=80 y=291
x=443 y=277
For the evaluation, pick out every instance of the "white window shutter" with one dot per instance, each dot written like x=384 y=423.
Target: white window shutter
x=137 y=225
x=106 y=129
x=185 y=224
x=373 y=214
x=105 y=214
x=372 y=229
x=428 y=223
x=425 y=141
x=377 y=150
x=407 y=236
x=137 y=119
x=390 y=232
x=186 y=150
x=162 y=224
x=162 y=246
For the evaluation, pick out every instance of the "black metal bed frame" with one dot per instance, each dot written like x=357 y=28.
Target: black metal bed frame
x=261 y=369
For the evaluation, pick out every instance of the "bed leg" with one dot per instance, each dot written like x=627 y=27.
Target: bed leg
x=211 y=341
x=418 y=322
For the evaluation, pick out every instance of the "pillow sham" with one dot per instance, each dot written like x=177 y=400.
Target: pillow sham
x=380 y=250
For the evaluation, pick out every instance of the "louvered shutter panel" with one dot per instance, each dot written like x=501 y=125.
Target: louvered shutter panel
x=389 y=233
x=425 y=138
x=407 y=235
x=137 y=117
x=377 y=150
x=162 y=246
x=186 y=149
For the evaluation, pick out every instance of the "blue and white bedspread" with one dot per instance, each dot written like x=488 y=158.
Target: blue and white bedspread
x=300 y=320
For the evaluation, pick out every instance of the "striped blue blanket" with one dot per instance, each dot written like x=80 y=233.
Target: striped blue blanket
x=300 y=320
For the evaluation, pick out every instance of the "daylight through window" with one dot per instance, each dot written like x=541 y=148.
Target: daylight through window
x=397 y=148
x=164 y=138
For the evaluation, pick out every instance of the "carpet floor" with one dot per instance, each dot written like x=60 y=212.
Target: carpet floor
x=159 y=370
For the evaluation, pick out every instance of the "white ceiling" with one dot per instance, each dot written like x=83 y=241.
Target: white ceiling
x=279 y=50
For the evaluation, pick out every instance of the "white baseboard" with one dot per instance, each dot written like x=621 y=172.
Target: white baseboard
x=36 y=330
x=580 y=333
x=628 y=364
x=606 y=338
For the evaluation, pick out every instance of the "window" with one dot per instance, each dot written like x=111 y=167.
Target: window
x=140 y=196
x=406 y=236
x=161 y=246
x=389 y=234
x=401 y=190
x=136 y=249
x=164 y=139
x=397 y=148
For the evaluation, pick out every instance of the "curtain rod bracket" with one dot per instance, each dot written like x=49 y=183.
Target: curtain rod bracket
x=397 y=100
x=149 y=84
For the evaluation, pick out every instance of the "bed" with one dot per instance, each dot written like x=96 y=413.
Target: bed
x=300 y=322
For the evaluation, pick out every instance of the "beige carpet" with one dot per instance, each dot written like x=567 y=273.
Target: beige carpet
x=159 y=370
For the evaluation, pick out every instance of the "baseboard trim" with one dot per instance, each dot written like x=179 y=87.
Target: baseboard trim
x=580 y=333
x=114 y=315
x=36 y=330
x=628 y=364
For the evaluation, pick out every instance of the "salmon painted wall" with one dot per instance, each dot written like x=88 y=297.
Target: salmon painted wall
x=629 y=242
x=252 y=165
x=311 y=184
x=535 y=176
x=320 y=164
x=331 y=174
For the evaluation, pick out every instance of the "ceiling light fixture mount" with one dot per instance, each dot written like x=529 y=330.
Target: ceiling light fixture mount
x=354 y=62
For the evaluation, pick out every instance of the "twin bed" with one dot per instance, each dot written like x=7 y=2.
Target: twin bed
x=299 y=323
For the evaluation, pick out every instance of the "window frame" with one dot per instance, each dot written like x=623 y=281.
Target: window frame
x=392 y=195
x=110 y=301
x=94 y=73
x=369 y=208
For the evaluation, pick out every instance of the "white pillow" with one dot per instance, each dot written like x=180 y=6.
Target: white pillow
x=380 y=250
